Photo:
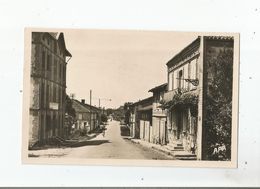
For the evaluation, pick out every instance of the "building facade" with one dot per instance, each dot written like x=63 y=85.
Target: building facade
x=190 y=73
x=141 y=119
x=87 y=117
x=49 y=58
x=159 y=130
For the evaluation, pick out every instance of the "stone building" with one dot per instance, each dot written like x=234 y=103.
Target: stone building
x=49 y=58
x=190 y=73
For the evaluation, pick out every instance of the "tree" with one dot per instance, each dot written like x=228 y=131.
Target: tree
x=218 y=106
x=127 y=112
x=109 y=111
x=68 y=107
x=70 y=115
x=103 y=118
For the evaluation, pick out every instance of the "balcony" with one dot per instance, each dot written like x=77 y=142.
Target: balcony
x=169 y=95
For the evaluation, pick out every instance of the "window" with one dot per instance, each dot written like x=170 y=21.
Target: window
x=170 y=81
x=175 y=80
x=54 y=93
x=43 y=60
x=186 y=76
x=55 y=47
x=58 y=70
x=42 y=95
x=55 y=70
x=193 y=71
x=180 y=79
x=161 y=96
x=47 y=95
x=49 y=63
x=64 y=74
x=80 y=116
x=61 y=68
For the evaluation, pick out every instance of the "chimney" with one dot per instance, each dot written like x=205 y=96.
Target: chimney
x=83 y=101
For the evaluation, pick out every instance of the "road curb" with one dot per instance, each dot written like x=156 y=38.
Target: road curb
x=154 y=147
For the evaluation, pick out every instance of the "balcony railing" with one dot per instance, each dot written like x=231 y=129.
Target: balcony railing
x=169 y=95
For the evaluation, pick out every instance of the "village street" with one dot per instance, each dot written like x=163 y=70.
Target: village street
x=113 y=145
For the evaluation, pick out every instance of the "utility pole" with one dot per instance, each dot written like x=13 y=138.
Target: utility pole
x=90 y=96
x=99 y=101
x=90 y=101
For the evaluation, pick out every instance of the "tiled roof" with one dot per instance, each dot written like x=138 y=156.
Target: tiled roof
x=160 y=87
x=78 y=106
x=143 y=101
x=220 y=37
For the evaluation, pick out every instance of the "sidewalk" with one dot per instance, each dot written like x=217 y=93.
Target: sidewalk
x=169 y=150
x=54 y=151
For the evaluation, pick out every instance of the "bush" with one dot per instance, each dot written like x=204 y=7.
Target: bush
x=103 y=118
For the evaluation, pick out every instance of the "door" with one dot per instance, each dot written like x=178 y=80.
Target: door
x=179 y=124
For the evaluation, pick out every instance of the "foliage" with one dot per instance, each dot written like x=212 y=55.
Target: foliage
x=218 y=106
x=103 y=118
x=118 y=114
x=182 y=99
x=68 y=107
x=127 y=111
x=70 y=115
x=109 y=111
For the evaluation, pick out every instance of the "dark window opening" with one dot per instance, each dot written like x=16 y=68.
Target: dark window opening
x=43 y=60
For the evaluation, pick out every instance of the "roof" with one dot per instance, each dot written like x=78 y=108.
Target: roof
x=54 y=34
x=143 y=101
x=92 y=108
x=145 y=108
x=59 y=37
x=220 y=37
x=80 y=107
x=61 y=41
x=159 y=88
x=192 y=47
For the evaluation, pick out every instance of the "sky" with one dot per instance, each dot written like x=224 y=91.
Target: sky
x=121 y=65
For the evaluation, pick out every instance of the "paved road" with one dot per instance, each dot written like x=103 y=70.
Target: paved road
x=112 y=145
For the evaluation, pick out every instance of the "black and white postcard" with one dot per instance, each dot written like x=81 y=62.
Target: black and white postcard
x=130 y=97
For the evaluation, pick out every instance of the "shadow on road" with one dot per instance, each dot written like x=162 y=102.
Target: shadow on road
x=89 y=143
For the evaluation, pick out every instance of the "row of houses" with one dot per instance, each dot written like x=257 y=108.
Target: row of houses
x=87 y=117
x=175 y=115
